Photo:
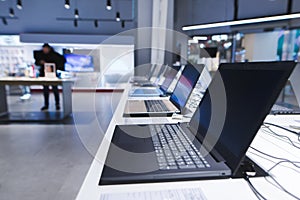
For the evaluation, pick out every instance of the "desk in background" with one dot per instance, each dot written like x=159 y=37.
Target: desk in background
x=36 y=116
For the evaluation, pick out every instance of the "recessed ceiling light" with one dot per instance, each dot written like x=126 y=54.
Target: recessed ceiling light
x=11 y=12
x=108 y=5
x=241 y=22
x=76 y=13
x=4 y=21
x=118 y=18
x=19 y=4
x=96 y=23
x=67 y=4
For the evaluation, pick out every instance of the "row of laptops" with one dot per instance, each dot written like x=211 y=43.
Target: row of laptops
x=179 y=98
x=214 y=143
x=153 y=90
x=155 y=72
x=165 y=107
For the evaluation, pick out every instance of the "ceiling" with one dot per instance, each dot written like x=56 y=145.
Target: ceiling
x=190 y=12
x=41 y=17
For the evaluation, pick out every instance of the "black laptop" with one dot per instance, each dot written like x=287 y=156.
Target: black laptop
x=214 y=143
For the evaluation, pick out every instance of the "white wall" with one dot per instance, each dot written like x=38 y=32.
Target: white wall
x=261 y=46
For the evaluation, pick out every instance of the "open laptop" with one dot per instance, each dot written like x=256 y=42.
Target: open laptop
x=287 y=108
x=226 y=121
x=162 y=90
x=167 y=107
x=144 y=79
x=155 y=72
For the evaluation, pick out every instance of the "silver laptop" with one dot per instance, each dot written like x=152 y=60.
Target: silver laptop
x=287 y=108
x=152 y=78
x=170 y=76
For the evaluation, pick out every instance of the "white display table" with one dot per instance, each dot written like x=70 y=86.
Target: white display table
x=285 y=173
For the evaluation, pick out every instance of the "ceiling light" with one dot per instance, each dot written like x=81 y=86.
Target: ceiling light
x=11 y=12
x=123 y=24
x=67 y=4
x=96 y=23
x=118 y=16
x=4 y=20
x=219 y=38
x=75 y=23
x=76 y=13
x=241 y=22
x=19 y=4
x=108 y=5
x=200 y=38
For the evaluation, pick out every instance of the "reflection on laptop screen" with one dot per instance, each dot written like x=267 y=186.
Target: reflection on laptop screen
x=251 y=90
x=169 y=78
x=185 y=85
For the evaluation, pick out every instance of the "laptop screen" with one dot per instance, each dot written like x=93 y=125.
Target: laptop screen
x=170 y=75
x=229 y=118
x=185 y=85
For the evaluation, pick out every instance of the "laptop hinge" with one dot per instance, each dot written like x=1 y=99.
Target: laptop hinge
x=217 y=156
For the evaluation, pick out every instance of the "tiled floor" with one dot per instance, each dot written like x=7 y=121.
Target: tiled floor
x=50 y=161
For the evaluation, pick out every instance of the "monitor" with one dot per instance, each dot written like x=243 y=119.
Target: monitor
x=79 y=63
x=208 y=52
x=250 y=91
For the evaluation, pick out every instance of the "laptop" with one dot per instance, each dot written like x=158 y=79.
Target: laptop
x=213 y=144
x=167 y=106
x=144 y=79
x=288 y=108
x=162 y=90
x=155 y=72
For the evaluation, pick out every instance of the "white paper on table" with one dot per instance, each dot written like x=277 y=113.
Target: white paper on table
x=173 y=194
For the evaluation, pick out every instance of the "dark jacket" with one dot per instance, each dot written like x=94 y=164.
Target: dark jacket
x=51 y=57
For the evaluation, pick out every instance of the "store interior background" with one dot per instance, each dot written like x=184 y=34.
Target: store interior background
x=115 y=60
x=58 y=148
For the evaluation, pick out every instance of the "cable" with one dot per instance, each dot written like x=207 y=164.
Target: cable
x=283 y=189
x=283 y=136
x=286 y=129
x=284 y=161
x=254 y=190
x=275 y=162
x=278 y=158
x=278 y=136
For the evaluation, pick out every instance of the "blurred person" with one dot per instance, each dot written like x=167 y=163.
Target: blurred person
x=49 y=55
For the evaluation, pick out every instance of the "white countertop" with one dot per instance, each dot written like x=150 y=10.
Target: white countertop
x=231 y=189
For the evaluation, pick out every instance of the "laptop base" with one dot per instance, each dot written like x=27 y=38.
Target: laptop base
x=148 y=114
x=285 y=109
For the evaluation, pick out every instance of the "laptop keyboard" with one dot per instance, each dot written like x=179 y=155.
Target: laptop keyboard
x=277 y=107
x=145 y=91
x=174 y=150
x=155 y=106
